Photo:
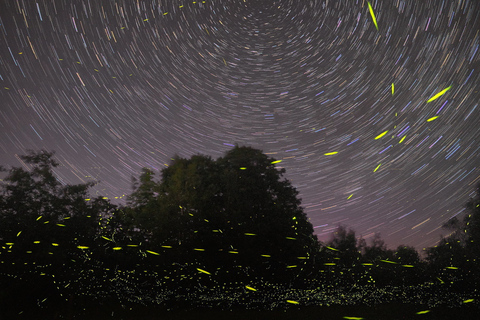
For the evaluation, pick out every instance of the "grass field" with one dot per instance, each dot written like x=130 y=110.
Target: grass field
x=272 y=302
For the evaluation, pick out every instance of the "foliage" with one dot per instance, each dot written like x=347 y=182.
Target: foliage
x=377 y=250
x=472 y=225
x=42 y=224
x=234 y=223
x=345 y=241
x=460 y=250
x=407 y=255
x=239 y=210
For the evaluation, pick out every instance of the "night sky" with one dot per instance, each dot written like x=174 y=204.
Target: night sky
x=114 y=86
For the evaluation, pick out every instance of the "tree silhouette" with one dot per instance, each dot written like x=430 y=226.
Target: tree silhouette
x=411 y=269
x=43 y=227
x=377 y=255
x=407 y=255
x=377 y=250
x=342 y=256
x=236 y=211
x=345 y=241
x=472 y=225
x=203 y=223
x=258 y=200
x=456 y=257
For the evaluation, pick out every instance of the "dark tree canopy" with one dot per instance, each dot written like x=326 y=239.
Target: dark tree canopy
x=35 y=208
x=407 y=255
x=45 y=227
x=238 y=204
x=344 y=240
x=200 y=223
x=463 y=242
x=377 y=249
x=472 y=224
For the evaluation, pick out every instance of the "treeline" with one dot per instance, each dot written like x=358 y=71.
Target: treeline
x=231 y=222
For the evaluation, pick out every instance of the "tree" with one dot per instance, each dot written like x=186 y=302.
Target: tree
x=144 y=190
x=377 y=249
x=411 y=269
x=138 y=215
x=460 y=250
x=447 y=263
x=467 y=231
x=407 y=255
x=341 y=251
x=472 y=225
x=235 y=211
x=259 y=200
x=45 y=227
x=345 y=241
x=35 y=206
x=376 y=255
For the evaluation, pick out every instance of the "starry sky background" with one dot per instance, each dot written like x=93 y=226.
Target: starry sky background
x=114 y=86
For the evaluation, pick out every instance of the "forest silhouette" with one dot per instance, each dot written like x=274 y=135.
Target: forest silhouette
x=202 y=232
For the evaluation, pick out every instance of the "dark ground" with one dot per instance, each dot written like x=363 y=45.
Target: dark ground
x=384 y=311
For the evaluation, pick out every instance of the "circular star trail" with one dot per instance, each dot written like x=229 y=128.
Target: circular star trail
x=114 y=86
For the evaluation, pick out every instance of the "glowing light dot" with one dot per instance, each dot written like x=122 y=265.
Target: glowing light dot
x=438 y=95
x=423 y=312
x=372 y=14
x=381 y=135
x=203 y=271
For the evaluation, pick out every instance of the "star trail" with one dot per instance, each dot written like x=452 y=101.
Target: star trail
x=371 y=106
